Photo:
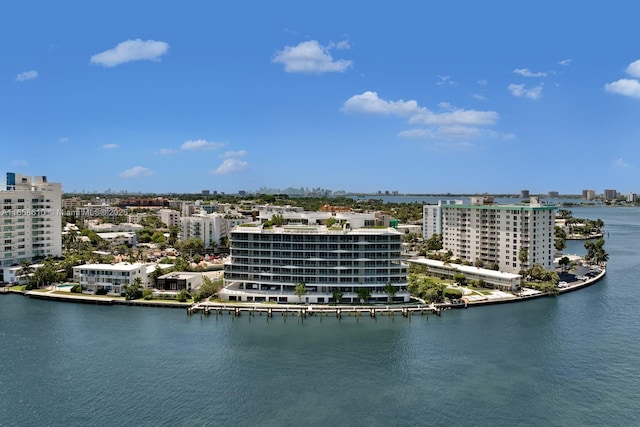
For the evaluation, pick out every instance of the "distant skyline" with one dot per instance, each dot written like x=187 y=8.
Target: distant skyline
x=448 y=97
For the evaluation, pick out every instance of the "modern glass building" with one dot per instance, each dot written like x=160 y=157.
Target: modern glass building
x=267 y=262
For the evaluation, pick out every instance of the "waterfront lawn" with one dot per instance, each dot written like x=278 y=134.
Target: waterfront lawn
x=18 y=288
x=86 y=295
x=483 y=291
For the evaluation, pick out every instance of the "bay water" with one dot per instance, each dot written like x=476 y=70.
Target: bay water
x=571 y=360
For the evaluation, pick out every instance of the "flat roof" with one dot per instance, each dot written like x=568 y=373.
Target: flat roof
x=314 y=229
x=179 y=275
x=504 y=207
x=465 y=268
x=121 y=266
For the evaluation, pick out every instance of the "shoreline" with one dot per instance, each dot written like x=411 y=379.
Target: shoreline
x=304 y=309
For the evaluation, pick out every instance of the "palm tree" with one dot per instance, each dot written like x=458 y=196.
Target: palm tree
x=391 y=291
x=25 y=271
x=363 y=294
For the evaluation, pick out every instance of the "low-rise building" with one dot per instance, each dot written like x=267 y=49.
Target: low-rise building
x=496 y=279
x=120 y=238
x=112 y=277
x=179 y=280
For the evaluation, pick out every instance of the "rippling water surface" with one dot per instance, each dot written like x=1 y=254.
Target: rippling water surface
x=571 y=360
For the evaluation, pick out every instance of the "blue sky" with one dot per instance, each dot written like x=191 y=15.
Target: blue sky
x=419 y=97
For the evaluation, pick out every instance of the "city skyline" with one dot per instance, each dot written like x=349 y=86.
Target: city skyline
x=460 y=98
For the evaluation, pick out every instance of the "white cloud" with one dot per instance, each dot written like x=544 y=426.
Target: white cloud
x=482 y=82
x=27 y=75
x=446 y=80
x=479 y=97
x=526 y=73
x=459 y=132
x=416 y=134
x=131 y=50
x=110 y=146
x=565 y=62
x=201 y=144
x=311 y=57
x=230 y=166
x=20 y=163
x=343 y=45
x=626 y=87
x=447 y=125
x=620 y=163
x=455 y=132
x=457 y=116
x=523 y=92
x=165 y=151
x=136 y=171
x=63 y=140
x=230 y=154
x=369 y=103
x=634 y=69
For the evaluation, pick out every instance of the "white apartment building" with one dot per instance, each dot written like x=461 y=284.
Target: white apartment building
x=31 y=219
x=267 y=263
x=209 y=228
x=112 y=277
x=496 y=234
x=123 y=227
x=120 y=238
x=170 y=217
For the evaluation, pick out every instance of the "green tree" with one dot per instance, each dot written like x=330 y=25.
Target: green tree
x=391 y=291
x=209 y=287
x=434 y=243
x=134 y=290
x=337 y=295
x=330 y=221
x=190 y=246
x=25 y=272
x=523 y=256
x=563 y=214
x=559 y=244
x=183 y=295
x=460 y=278
x=564 y=262
x=300 y=290
x=363 y=294
x=548 y=288
x=277 y=219
x=70 y=238
x=452 y=293
x=173 y=235
x=180 y=264
x=595 y=251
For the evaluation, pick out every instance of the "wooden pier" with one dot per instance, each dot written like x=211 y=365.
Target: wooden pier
x=303 y=311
